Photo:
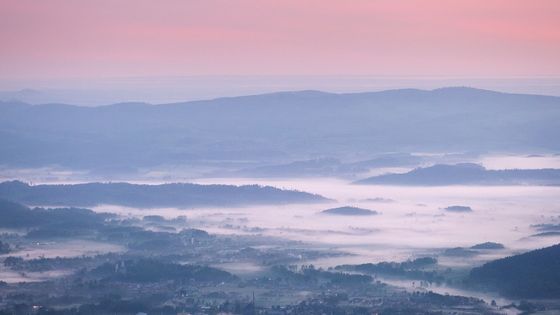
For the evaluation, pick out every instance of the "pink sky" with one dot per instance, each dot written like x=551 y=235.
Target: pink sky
x=102 y=38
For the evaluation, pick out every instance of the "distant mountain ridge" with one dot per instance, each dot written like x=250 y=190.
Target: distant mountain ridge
x=278 y=127
x=466 y=174
x=147 y=196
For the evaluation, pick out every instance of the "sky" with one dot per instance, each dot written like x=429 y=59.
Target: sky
x=54 y=39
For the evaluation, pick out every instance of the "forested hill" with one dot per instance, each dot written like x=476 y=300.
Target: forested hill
x=534 y=274
x=466 y=174
x=285 y=126
x=146 y=196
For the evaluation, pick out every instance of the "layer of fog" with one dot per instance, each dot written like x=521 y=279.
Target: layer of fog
x=53 y=249
x=188 y=173
x=498 y=162
x=414 y=224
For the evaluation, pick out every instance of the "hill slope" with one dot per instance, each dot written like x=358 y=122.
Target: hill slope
x=466 y=174
x=145 y=196
x=535 y=274
x=349 y=211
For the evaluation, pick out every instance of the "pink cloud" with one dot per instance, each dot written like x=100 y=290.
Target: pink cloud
x=175 y=37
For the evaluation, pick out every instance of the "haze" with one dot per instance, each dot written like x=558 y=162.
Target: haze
x=279 y=157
